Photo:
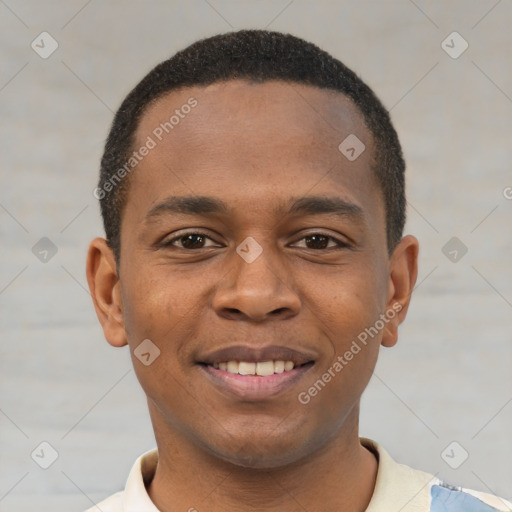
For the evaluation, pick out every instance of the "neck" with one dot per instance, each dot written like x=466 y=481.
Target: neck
x=342 y=473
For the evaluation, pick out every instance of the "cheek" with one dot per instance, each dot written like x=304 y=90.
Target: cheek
x=346 y=320
x=157 y=309
x=166 y=307
x=347 y=309
x=336 y=392
x=153 y=301
x=347 y=300
x=143 y=305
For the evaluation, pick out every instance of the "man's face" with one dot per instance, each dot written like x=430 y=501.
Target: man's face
x=260 y=281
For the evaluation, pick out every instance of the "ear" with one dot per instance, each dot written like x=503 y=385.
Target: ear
x=402 y=278
x=104 y=286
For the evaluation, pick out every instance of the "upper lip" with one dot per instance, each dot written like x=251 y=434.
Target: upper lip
x=260 y=354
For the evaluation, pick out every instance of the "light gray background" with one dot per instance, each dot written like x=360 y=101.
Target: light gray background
x=448 y=379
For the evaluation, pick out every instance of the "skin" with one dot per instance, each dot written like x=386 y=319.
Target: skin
x=277 y=141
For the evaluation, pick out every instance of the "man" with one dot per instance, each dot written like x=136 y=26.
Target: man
x=252 y=191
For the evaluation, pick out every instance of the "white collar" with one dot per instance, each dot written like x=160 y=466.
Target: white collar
x=397 y=487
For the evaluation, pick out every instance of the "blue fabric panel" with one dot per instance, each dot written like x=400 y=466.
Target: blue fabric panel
x=449 y=500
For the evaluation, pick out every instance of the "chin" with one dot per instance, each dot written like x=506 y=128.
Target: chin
x=261 y=452
x=259 y=459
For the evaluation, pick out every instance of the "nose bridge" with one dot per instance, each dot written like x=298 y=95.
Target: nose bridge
x=258 y=284
x=258 y=267
x=257 y=264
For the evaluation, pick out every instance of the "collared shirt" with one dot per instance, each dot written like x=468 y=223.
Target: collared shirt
x=397 y=488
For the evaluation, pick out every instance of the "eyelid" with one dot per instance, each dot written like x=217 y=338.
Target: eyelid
x=181 y=234
x=339 y=241
x=341 y=244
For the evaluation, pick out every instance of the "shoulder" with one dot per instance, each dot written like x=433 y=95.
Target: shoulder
x=400 y=487
x=459 y=499
x=134 y=496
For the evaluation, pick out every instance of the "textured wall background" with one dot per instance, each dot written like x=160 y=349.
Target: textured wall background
x=449 y=378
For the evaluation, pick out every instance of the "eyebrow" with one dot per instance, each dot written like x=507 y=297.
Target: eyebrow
x=307 y=205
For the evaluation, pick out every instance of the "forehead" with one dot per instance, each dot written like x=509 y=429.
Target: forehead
x=244 y=141
x=320 y=116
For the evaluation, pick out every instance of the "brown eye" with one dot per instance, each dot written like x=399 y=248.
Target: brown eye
x=319 y=241
x=192 y=241
x=188 y=241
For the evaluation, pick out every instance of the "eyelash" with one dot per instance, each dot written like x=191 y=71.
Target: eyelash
x=340 y=244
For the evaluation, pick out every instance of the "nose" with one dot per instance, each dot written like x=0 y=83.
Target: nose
x=256 y=291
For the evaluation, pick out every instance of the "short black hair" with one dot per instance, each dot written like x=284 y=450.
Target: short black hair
x=257 y=56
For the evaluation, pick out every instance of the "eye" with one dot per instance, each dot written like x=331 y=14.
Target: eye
x=320 y=241
x=190 y=240
x=196 y=240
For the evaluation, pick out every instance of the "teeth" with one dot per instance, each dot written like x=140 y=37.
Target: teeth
x=279 y=366
x=265 y=369
x=246 y=368
x=262 y=369
x=232 y=367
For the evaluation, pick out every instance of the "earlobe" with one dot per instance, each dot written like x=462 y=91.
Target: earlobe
x=402 y=278
x=104 y=285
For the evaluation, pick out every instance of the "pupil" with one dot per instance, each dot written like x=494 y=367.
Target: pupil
x=188 y=238
x=317 y=237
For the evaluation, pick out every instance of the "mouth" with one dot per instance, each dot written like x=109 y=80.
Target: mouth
x=259 y=368
x=255 y=374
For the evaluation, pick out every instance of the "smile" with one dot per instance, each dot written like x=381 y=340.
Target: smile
x=255 y=373
x=262 y=369
x=253 y=381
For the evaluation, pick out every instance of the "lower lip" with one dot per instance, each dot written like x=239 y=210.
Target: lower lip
x=253 y=387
